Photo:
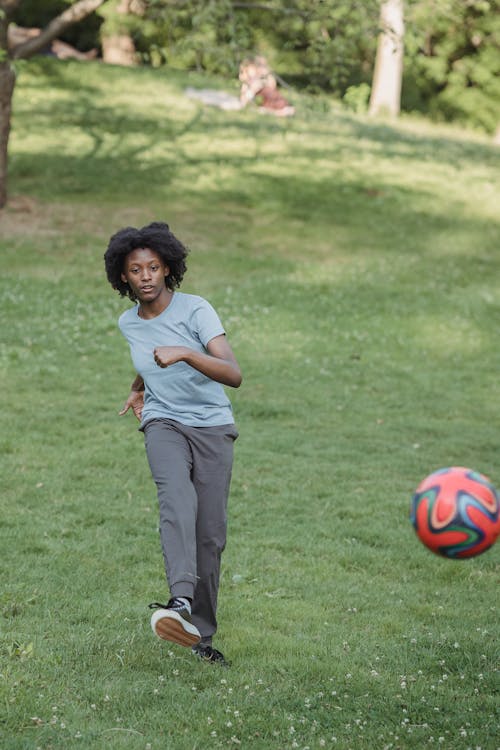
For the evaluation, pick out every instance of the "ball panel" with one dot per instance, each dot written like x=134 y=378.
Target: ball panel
x=456 y=512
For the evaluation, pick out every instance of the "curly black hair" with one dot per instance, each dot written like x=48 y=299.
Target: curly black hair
x=155 y=236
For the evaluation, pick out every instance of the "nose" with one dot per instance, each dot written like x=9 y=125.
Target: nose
x=145 y=274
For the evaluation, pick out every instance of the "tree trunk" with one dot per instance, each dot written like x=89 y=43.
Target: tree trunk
x=388 y=73
x=118 y=47
x=7 y=81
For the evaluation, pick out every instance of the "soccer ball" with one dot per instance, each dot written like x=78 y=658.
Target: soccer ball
x=456 y=512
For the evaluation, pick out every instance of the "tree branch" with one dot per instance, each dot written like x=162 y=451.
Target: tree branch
x=72 y=15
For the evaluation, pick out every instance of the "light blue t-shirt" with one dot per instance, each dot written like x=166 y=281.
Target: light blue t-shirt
x=179 y=391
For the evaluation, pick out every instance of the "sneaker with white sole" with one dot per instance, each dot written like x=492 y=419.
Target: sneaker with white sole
x=172 y=622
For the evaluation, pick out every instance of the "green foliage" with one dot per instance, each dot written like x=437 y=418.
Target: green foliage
x=331 y=42
x=356 y=98
x=355 y=267
x=199 y=35
x=453 y=61
x=323 y=43
x=119 y=23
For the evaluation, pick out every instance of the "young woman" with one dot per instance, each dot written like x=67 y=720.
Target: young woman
x=183 y=359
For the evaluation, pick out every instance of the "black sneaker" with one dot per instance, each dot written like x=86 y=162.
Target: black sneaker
x=207 y=653
x=172 y=622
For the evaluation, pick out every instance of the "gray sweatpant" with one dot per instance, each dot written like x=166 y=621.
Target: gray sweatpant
x=191 y=467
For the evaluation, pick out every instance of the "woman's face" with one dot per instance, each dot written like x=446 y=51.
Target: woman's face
x=145 y=272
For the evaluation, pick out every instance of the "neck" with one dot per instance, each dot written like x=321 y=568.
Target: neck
x=155 y=307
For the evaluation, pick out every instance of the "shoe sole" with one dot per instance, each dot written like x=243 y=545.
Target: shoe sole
x=170 y=626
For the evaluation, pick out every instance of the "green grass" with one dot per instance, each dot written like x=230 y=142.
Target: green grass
x=355 y=265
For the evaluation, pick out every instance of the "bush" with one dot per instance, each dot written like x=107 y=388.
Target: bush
x=453 y=62
x=356 y=98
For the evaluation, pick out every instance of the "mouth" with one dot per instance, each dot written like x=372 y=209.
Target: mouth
x=147 y=288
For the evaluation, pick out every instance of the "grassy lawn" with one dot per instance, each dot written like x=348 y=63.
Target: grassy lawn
x=356 y=268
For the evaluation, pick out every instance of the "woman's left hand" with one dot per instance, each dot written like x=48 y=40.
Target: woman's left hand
x=169 y=355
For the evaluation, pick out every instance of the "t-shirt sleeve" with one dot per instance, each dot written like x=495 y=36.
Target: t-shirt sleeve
x=207 y=323
x=122 y=323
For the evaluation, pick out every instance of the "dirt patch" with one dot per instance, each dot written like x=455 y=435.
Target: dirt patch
x=25 y=216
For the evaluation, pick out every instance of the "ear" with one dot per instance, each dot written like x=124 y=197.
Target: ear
x=123 y=278
x=167 y=271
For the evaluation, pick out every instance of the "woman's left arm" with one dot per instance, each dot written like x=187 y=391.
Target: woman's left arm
x=219 y=363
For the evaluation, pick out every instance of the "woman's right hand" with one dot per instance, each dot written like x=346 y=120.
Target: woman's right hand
x=135 y=402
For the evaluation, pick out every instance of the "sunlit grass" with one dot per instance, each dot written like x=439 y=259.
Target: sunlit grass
x=355 y=266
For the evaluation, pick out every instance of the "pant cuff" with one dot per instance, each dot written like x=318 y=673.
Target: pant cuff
x=183 y=588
